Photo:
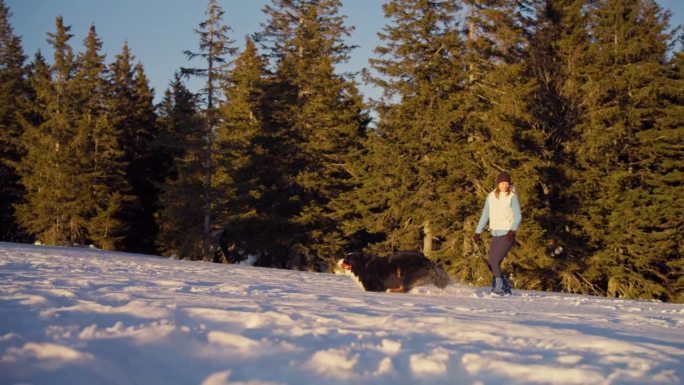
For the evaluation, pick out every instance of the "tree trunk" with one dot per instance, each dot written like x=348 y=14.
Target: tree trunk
x=428 y=237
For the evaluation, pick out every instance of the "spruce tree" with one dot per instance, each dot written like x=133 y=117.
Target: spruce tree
x=73 y=168
x=181 y=143
x=319 y=114
x=215 y=49
x=628 y=165
x=242 y=161
x=502 y=131
x=13 y=91
x=49 y=172
x=134 y=116
x=97 y=150
x=411 y=183
x=558 y=43
x=178 y=119
x=667 y=166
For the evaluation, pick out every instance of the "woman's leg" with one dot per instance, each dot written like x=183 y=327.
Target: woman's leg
x=498 y=249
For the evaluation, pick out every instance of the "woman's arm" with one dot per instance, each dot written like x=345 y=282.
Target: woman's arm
x=483 y=218
x=517 y=216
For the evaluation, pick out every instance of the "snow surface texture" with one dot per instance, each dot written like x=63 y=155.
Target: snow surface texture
x=79 y=316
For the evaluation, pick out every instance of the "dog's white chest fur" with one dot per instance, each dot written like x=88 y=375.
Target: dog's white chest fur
x=358 y=281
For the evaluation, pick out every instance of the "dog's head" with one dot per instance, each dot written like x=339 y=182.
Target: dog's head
x=354 y=265
x=353 y=259
x=344 y=265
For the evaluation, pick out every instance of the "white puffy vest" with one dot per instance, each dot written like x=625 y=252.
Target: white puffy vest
x=500 y=211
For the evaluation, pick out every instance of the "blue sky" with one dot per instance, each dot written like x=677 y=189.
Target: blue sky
x=158 y=31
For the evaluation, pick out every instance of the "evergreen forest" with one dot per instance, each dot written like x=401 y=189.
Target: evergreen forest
x=278 y=156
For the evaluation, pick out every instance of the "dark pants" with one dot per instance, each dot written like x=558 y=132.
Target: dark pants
x=498 y=249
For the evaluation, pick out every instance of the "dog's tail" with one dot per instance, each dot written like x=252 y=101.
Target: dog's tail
x=438 y=276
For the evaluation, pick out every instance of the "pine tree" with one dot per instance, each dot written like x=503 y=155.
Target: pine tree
x=628 y=165
x=181 y=143
x=320 y=115
x=215 y=48
x=134 y=116
x=410 y=184
x=13 y=90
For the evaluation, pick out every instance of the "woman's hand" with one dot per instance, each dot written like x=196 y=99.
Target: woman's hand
x=511 y=235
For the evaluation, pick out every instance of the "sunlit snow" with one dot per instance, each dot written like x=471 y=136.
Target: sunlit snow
x=79 y=316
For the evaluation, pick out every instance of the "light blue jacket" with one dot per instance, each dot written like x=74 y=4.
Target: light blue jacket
x=484 y=218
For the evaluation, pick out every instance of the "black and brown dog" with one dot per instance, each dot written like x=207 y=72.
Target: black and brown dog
x=397 y=273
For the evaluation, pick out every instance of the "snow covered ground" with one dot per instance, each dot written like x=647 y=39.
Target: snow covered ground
x=78 y=316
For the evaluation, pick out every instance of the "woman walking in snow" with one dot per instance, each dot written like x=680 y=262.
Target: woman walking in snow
x=502 y=211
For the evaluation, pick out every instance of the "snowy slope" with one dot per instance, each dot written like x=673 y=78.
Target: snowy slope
x=79 y=316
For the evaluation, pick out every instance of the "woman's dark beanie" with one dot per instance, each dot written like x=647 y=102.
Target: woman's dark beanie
x=503 y=177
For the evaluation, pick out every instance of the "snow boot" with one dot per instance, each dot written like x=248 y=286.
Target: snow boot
x=498 y=286
x=507 y=289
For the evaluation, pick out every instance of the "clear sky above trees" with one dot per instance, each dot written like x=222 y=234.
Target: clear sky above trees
x=158 y=31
